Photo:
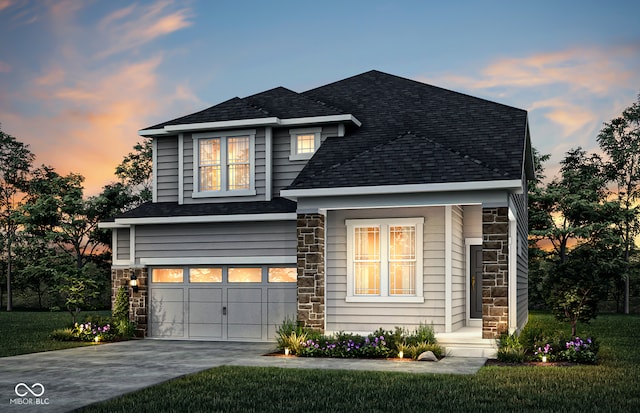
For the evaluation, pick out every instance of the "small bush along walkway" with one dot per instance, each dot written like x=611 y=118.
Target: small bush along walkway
x=299 y=341
x=546 y=342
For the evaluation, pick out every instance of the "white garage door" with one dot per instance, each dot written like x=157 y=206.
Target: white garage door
x=220 y=303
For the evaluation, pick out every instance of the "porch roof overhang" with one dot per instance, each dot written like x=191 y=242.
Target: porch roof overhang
x=127 y=222
x=488 y=194
x=511 y=185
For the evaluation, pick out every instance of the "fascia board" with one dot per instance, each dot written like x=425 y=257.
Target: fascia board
x=111 y=225
x=152 y=132
x=514 y=185
x=320 y=119
x=272 y=121
x=207 y=219
x=222 y=124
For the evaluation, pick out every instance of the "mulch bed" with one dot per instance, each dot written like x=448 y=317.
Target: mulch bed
x=494 y=362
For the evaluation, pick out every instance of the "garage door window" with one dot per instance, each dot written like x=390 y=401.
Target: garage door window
x=205 y=275
x=167 y=275
x=283 y=275
x=245 y=275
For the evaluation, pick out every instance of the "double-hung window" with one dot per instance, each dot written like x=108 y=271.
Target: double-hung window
x=385 y=260
x=304 y=143
x=224 y=163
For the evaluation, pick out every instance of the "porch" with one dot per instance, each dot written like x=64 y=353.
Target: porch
x=467 y=342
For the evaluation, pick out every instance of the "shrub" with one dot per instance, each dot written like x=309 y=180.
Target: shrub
x=346 y=345
x=578 y=350
x=416 y=349
x=379 y=344
x=121 y=305
x=423 y=334
x=124 y=328
x=93 y=331
x=63 y=334
x=285 y=331
x=510 y=350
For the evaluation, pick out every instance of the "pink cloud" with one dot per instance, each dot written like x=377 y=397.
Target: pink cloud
x=4 y=67
x=591 y=69
x=5 y=4
x=570 y=117
x=132 y=27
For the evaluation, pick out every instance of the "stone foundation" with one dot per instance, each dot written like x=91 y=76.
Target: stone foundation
x=310 y=234
x=138 y=302
x=495 y=267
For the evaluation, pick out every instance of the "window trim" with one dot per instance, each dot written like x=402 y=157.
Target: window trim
x=384 y=224
x=294 y=133
x=224 y=136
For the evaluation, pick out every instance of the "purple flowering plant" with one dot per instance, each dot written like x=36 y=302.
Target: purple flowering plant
x=545 y=351
x=345 y=345
x=90 y=331
x=578 y=350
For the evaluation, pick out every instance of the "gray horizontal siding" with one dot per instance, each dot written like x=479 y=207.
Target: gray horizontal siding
x=458 y=280
x=361 y=317
x=123 y=251
x=284 y=170
x=277 y=238
x=166 y=173
x=519 y=201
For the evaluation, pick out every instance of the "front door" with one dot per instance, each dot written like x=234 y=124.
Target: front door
x=475 y=282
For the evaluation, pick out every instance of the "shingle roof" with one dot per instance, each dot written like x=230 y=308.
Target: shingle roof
x=232 y=109
x=173 y=209
x=278 y=102
x=414 y=133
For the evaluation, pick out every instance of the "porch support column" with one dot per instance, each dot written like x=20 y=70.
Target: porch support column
x=310 y=233
x=495 y=268
x=138 y=302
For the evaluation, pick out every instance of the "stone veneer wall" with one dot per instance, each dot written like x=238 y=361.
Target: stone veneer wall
x=310 y=235
x=138 y=302
x=495 y=264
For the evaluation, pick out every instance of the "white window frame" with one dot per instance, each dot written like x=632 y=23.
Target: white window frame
x=294 y=133
x=224 y=162
x=384 y=225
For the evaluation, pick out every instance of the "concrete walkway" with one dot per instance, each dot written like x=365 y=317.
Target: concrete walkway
x=81 y=376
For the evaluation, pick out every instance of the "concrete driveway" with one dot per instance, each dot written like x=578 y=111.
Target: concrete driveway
x=70 y=379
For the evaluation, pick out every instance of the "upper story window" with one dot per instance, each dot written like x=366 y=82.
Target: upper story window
x=224 y=163
x=304 y=143
x=385 y=260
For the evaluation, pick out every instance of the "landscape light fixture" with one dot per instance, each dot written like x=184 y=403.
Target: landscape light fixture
x=134 y=283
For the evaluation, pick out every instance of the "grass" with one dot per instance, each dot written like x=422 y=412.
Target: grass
x=612 y=385
x=23 y=332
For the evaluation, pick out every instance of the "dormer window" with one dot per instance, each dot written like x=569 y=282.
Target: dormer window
x=224 y=163
x=304 y=143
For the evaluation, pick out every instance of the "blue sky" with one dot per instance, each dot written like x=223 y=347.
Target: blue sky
x=78 y=79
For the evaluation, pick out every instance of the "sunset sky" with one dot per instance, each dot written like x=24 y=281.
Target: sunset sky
x=78 y=79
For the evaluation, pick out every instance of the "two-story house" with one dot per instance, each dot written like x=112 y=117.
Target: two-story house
x=374 y=201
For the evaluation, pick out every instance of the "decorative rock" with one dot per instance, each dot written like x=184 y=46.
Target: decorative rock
x=427 y=356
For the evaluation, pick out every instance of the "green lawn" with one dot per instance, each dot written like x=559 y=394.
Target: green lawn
x=612 y=385
x=23 y=332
